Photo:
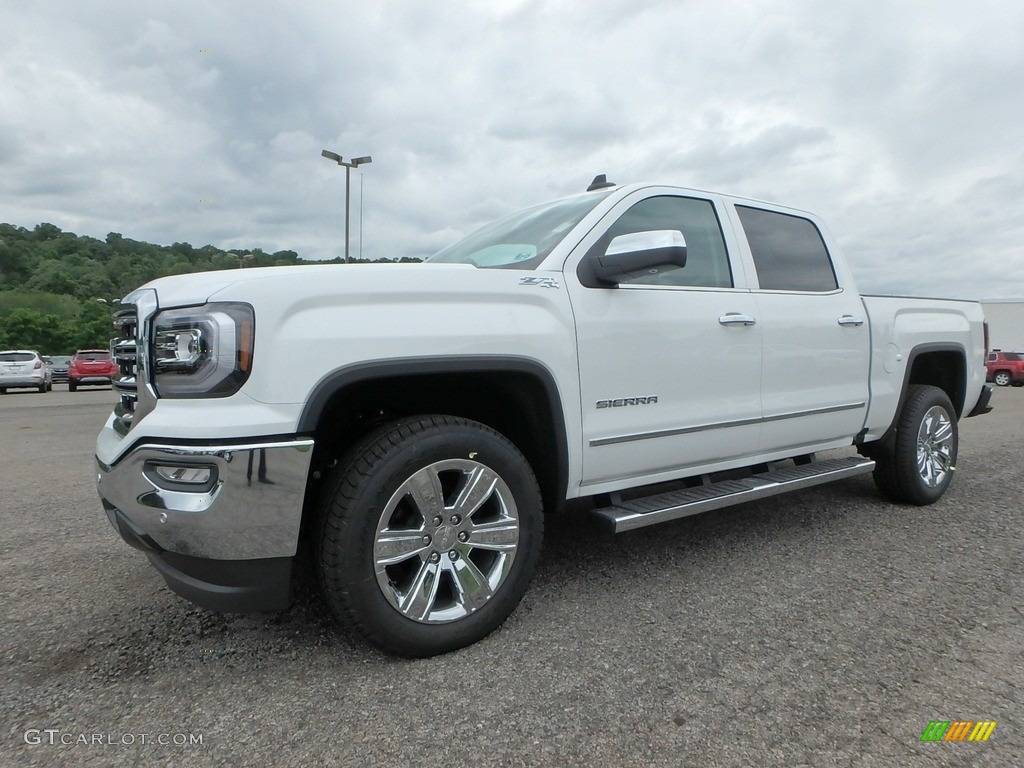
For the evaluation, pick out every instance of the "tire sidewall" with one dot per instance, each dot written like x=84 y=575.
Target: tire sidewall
x=346 y=563
x=921 y=400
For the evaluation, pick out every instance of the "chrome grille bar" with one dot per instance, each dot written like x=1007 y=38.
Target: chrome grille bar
x=123 y=349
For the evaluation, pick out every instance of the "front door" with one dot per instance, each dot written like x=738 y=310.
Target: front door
x=670 y=367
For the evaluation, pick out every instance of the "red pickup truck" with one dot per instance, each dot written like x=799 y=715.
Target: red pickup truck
x=1005 y=368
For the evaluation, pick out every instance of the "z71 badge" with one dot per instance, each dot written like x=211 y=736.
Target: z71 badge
x=543 y=282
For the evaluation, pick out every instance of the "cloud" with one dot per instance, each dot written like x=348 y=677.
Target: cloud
x=898 y=123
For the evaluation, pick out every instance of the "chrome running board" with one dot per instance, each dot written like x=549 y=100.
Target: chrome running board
x=662 y=507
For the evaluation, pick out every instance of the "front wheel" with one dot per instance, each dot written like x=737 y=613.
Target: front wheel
x=918 y=466
x=1002 y=378
x=429 y=533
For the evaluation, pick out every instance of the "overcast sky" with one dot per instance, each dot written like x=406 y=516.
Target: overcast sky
x=901 y=123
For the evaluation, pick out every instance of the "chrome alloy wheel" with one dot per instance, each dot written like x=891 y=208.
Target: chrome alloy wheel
x=446 y=541
x=935 y=446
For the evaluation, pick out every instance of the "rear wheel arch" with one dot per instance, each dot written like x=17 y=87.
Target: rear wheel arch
x=943 y=366
x=937 y=365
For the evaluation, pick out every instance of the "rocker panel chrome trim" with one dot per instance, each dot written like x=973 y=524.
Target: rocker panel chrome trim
x=599 y=441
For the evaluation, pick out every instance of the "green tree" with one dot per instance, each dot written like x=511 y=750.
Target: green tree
x=95 y=325
x=65 y=307
x=29 y=329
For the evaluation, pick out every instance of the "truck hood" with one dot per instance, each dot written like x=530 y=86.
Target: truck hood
x=200 y=287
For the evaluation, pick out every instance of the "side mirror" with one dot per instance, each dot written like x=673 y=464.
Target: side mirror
x=638 y=251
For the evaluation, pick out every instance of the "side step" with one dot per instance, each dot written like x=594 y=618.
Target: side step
x=662 y=507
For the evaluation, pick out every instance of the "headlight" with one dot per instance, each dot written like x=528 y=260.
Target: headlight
x=202 y=351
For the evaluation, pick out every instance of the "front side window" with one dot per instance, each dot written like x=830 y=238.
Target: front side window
x=789 y=253
x=521 y=240
x=707 y=261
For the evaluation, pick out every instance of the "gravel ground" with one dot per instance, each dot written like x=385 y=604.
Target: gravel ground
x=824 y=628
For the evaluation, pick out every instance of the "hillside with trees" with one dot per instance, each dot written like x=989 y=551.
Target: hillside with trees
x=59 y=290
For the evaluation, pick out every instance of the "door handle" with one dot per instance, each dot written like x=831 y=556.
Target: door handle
x=848 y=320
x=735 y=318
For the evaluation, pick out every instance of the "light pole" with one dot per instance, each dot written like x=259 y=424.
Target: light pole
x=355 y=162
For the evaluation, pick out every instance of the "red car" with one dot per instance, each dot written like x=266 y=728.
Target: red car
x=1005 y=368
x=90 y=366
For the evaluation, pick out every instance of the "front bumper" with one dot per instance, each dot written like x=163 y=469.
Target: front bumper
x=226 y=536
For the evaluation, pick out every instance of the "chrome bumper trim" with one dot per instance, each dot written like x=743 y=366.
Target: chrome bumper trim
x=251 y=509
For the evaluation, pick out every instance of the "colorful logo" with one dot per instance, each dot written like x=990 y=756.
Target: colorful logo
x=958 y=730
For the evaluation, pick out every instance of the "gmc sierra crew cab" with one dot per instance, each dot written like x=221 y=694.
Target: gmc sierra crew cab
x=662 y=351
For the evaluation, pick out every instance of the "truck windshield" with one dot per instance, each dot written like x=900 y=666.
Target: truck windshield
x=521 y=240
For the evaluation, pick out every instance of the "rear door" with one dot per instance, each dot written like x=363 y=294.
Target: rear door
x=816 y=341
x=670 y=372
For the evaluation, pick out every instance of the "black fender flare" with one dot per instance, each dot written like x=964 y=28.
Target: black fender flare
x=957 y=398
x=339 y=378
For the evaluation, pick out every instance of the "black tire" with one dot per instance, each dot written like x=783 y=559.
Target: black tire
x=72 y=386
x=1002 y=378
x=917 y=463
x=380 y=547
x=42 y=388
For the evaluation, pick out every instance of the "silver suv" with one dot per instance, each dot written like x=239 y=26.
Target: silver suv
x=24 y=368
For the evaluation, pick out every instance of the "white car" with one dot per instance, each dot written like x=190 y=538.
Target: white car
x=24 y=368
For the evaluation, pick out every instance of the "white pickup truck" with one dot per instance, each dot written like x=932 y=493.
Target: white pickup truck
x=663 y=351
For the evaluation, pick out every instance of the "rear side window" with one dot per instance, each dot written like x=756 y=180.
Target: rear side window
x=1013 y=357
x=789 y=253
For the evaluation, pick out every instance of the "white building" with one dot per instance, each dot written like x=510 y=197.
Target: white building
x=1005 y=324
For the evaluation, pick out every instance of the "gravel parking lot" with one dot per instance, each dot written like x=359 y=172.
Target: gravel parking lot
x=825 y=628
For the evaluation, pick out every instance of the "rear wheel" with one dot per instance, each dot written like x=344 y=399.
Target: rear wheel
x=917 y=465
x=1002 y=378
x=429 y=533
x=72 y=385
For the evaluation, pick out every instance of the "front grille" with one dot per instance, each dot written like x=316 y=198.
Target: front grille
x=124 y=351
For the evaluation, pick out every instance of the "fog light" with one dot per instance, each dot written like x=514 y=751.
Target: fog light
x=192 y=478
